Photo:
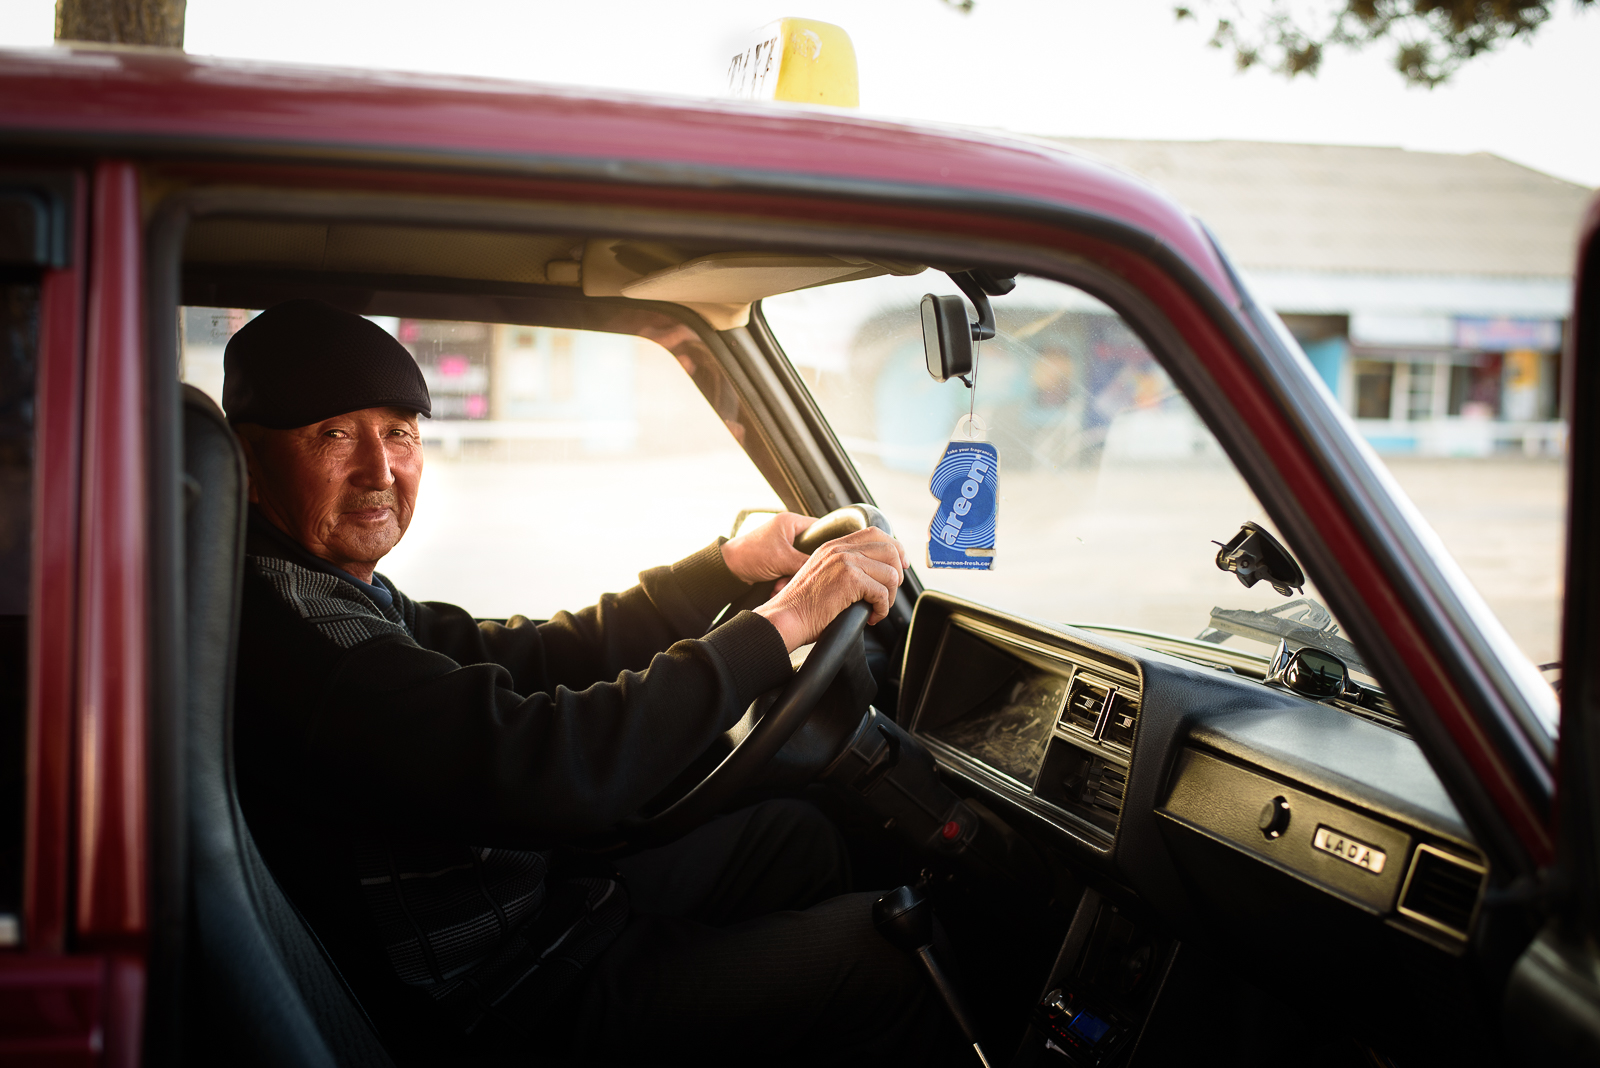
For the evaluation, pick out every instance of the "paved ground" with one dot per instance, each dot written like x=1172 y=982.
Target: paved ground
x=1504 y=522
x=1124 y=545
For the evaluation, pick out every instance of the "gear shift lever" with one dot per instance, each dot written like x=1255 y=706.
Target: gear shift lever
x=905 y=919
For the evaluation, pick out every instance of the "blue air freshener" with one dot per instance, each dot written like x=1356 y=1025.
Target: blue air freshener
x=967 y=483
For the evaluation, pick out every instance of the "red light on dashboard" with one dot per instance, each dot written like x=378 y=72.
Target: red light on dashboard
x=950 y=830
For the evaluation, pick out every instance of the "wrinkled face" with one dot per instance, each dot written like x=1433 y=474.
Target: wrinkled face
x=344 y=488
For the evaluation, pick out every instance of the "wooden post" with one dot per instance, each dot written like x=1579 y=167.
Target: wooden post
x=135 y=22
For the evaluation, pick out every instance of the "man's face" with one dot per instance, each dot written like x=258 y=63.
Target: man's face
x=344 y=488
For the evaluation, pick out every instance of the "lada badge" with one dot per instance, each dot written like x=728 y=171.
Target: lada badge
x=1349 y=850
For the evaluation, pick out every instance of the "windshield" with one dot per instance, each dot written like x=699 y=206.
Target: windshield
x=1114 y=497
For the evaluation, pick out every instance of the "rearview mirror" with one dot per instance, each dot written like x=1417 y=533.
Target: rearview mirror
x=946 y=337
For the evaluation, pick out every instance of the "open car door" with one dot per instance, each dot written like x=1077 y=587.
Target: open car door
x=1553 y=998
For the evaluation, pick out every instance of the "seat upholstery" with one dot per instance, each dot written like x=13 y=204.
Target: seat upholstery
x=262 y=990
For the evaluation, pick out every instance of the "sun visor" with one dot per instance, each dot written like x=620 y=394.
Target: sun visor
x=720 y=286
x=742 y=277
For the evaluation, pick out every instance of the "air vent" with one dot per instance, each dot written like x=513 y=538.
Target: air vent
x=1105 y=786
x=1083 y=783
x=1121 y=720
x=1085 y=701
x=1442 y=890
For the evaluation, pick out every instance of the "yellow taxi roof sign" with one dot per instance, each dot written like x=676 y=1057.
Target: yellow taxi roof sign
x=800 y=60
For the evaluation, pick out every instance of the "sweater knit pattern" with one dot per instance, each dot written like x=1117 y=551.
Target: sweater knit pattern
x=343 y=614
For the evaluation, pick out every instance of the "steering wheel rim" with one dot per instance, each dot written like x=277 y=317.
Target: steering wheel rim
x=794 y=705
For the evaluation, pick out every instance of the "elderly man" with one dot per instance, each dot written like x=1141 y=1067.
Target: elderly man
x=411 y=774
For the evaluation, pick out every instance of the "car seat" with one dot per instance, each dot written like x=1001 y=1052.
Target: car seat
x=261 y=988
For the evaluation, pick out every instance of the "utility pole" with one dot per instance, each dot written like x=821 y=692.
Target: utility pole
x=134 y=22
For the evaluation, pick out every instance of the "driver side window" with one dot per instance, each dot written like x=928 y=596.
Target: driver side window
x=559 y=463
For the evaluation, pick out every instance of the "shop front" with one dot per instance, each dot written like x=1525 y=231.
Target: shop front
x=1445 y=385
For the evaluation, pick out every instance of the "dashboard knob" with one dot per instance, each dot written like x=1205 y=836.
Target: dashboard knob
x=1274 y=819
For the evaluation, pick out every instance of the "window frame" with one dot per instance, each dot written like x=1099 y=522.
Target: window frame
x=1248 y=379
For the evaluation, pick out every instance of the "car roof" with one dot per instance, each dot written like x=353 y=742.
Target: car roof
x=150 y=102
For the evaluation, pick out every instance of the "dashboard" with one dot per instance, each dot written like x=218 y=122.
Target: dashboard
x=1051 y=728
x=1207 y=796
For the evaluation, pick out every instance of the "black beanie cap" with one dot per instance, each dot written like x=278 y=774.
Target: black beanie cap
x=304 y=361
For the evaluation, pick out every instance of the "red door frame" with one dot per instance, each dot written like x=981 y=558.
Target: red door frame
x=75 y=995
x=52 y=665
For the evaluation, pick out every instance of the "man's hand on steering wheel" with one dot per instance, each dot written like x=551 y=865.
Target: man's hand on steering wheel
x=834 y=592
x=865 y=566
x=768 y=551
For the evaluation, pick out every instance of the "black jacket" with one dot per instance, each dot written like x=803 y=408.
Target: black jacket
x=406 y=769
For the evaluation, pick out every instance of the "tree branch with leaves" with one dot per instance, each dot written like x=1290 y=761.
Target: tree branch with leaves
x=1432 y=38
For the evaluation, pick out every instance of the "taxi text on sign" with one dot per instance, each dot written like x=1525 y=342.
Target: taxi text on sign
x=799 y=60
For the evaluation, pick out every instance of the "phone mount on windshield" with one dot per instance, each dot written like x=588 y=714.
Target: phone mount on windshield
x=947 y=335
x=1254 y=555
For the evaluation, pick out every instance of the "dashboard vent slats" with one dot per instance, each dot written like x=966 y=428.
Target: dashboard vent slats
x=1088 y=786
x=1442 y=891
x=1105 y=788
x=1085 y=702
x=1121 y=720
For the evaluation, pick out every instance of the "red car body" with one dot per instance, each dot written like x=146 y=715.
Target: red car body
x=134 y=128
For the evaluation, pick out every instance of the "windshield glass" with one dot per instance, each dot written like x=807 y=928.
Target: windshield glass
x=1114 y=497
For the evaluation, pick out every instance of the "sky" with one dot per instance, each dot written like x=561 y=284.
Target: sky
x=1085 y=68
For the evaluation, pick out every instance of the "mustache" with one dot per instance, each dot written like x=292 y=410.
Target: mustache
x=363 y=502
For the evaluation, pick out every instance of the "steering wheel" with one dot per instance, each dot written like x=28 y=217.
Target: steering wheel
x=794 y=705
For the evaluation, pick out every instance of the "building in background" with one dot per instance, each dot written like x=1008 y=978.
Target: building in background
x=551 y=390
x=505 y=383
x=1429 y=290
